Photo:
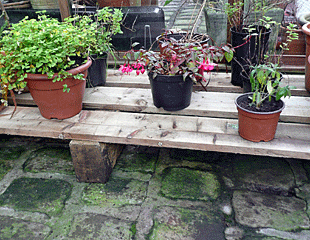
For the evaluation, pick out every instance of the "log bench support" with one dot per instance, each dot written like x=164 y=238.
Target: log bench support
x=94 y=161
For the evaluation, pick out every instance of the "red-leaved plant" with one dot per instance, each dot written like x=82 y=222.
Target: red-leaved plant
x=190 y=59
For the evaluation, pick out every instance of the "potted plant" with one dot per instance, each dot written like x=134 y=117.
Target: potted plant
x=107 y=22
x=274 y=57
x=173 y=71
x=250 y=33
x=259 y=110
x=50 y=57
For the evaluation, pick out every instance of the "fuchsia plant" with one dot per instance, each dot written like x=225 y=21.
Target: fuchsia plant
x=187 y=59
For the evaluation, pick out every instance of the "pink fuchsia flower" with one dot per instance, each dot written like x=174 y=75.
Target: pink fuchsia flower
x=206 y=65
x=125 y=69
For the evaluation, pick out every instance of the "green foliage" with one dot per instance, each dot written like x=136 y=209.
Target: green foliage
x=44 y=46
x=265 y=81
x=107 y=23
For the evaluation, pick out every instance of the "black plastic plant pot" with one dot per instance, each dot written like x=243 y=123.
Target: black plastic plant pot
x=247 y=51
x=246 y=84
x=171 y=93
x=97 y=73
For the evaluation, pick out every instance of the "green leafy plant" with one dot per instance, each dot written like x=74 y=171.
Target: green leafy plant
x=42 y=46
x=107 y=23
x=265 y=81
x=240 y=15
x=265 y=78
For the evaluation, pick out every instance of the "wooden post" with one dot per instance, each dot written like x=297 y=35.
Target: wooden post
x=64 y=9
x=94 y=161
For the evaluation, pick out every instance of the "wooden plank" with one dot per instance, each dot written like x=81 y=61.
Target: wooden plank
x=220 y=82
x=64 y=9
x=198 y=133
x=207 y=104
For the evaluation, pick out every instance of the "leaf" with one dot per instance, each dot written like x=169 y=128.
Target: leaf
x=229 y=55
x=269 y=87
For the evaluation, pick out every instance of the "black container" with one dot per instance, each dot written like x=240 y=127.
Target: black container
x=97 y=72
x=140 y=24
x=17 y=15
x=247 y=52
x=246 y=84
x=171 y=93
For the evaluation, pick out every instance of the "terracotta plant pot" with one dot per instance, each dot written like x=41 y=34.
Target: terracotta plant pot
x=50 y=98
x=306 y=30
x=257 y=126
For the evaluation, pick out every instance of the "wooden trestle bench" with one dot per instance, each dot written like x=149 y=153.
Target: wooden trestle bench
x=122 y=112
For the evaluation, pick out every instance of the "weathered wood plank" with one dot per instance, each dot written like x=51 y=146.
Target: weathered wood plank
x=200 y=133
x=220 y=82
x=208 y=104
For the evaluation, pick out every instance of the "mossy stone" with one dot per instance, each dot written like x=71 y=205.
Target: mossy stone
x=137 y=158
x=37 y=195
x=12 y=228
x=182 y=223
x=191 y=184
x=50 y=159
x=116 y=192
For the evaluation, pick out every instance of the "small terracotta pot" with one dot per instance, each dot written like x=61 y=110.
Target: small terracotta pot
x=257 y=126
x=306 y=30
x=50 y=98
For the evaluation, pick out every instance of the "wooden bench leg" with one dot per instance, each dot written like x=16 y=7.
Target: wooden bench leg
x=94 y=161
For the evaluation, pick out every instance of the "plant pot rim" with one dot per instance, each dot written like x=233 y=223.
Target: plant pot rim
x=254 y=112
x=73 y=71
x=306 y=28
x=172 y=78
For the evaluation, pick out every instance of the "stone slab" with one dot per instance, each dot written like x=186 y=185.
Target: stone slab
x=270 y=211
x=12 y=228
x=264 y=174
x=37 y=195
x=184 y=183
x=97 y=226
x=189 y=224
x=117 y=192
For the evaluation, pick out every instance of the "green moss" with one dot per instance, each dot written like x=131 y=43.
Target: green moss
x=11 y=153
x=133 y=229
x=137 y=159
x=33 y=194
x=50 y=159
x=116 y=192
x=5 y=167
x=190 y=184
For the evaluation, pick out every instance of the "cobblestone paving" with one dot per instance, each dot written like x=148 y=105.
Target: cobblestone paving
x=153 y=193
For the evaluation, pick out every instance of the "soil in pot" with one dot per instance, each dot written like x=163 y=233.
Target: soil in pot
x=258 y=125
x=171 y=93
